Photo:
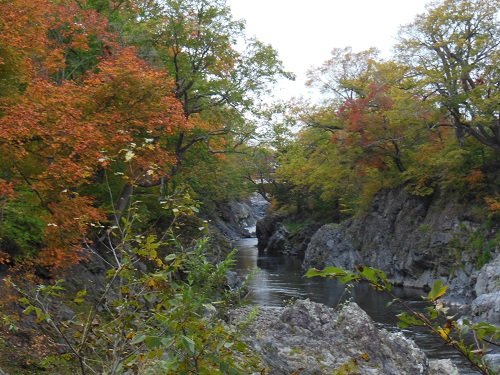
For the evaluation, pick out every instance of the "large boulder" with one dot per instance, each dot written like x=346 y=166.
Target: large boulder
x=315 y=339
x=486 y=307
x=279 y=242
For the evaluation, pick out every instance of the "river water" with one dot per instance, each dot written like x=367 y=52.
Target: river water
x=278 y=279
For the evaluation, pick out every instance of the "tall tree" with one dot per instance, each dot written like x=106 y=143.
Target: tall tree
x=453 y=50
x=345 y=74
x=196 y=41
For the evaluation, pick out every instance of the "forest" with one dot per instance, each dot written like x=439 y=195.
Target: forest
x=125 y=126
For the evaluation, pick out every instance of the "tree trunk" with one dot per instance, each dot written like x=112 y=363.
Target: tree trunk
x=123 y=202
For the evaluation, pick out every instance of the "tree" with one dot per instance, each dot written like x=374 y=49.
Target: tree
x=38 y=42
x=43 y=38
x=364 y=136
x=55 y=138
x=79 y=108
x=197 y=43
x=386 y=124
x=195 y=40
x=453 y=50
x=345 y=75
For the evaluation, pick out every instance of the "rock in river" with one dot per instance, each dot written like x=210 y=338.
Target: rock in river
x=312 y=338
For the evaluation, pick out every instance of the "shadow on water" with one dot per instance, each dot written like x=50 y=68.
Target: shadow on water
x=279 y=279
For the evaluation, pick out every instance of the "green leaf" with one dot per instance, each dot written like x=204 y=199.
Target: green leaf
x=369 y=274
x=438 y=290
x=80 y=296
x=28 y=310
x=170 y=257
x=240 y=346
x=407 y=320
x=138 y=339
x=327 y=272
x=484 y=330
x=153 y=342
x=313 y=272
x=334 y=271
x=432 y=312
x=348 y=278
x=189 y=344
x=167 y=341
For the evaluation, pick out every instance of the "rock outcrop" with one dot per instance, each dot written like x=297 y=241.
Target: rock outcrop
x=265 y=229
x=230 y=221
x=487 y=304
x=232 y=218
x=275 y=238
x=315 y=339
x=415 y=240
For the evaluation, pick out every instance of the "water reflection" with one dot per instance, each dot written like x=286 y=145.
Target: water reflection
x=280 y=279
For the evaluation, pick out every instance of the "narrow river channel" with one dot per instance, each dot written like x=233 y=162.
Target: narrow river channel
x=278 y=279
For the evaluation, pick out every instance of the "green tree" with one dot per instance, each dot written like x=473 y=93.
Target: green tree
x=452 y=50
x=159 y=309
x=217 y=82
x=364 y=136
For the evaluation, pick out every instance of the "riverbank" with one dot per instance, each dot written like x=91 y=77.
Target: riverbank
x=415 y=240
x=279 y=282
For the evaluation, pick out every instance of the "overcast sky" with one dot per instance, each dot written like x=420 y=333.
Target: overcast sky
x=305 y=31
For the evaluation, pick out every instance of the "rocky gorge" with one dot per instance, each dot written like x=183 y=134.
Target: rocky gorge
x=414 y=239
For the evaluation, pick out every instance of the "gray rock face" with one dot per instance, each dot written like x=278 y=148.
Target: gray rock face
x=415 y=240
x=488 y=279
x=274 y=238
x=278 y=243
x=233 y=219
x=330 y=246
x=487 y=305
x=243 y=213
x=265 y=228
x=442 y=366
x=320 y=340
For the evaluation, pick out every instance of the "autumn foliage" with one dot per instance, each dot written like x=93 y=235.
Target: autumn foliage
x=58 y=129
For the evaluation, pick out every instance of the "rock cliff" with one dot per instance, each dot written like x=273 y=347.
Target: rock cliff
x=417 y=240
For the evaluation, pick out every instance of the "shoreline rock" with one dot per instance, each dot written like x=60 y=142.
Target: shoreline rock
x=321 y=340
x=486 y=306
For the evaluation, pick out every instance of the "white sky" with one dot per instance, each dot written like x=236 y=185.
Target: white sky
x=305 y=31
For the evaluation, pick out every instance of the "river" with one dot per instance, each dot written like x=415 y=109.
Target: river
x=278 y=279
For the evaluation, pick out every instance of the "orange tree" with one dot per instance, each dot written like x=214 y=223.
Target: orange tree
x=57 y=135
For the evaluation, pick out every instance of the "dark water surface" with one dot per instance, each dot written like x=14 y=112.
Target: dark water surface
x=280 y=279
